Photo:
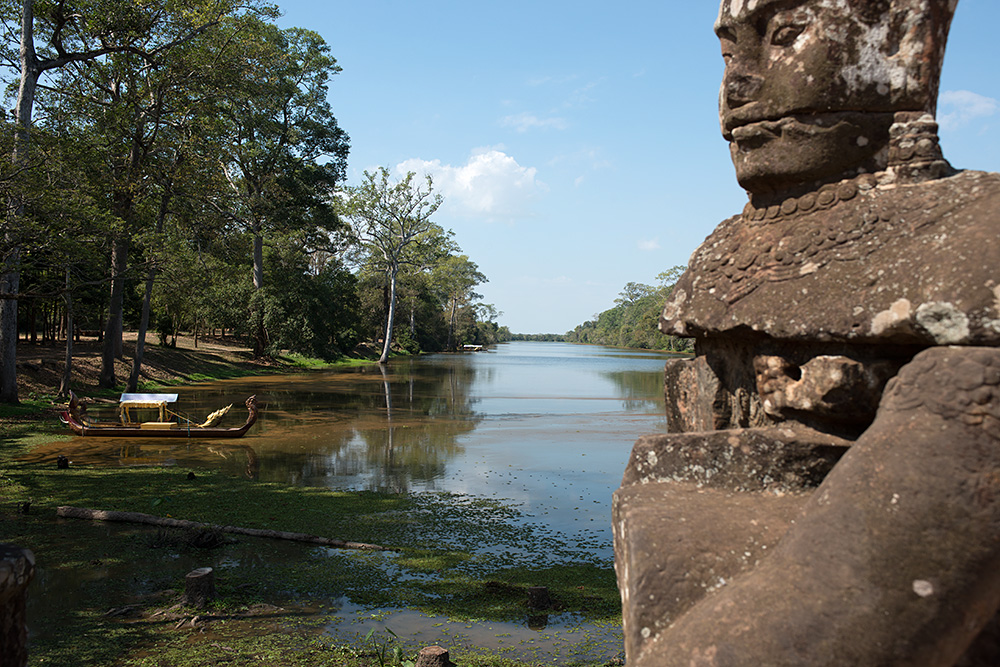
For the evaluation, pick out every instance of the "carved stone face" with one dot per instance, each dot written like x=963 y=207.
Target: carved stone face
x=811 y=86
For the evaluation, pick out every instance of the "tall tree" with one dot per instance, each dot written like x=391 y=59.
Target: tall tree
x=633 y=321
x=283 y=151
x=392 y=221
x=59 y=35
x=456 y=276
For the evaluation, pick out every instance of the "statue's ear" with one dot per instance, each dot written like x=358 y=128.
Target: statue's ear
x=916 y=35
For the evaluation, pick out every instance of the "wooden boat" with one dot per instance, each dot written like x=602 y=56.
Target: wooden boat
x=169 y=424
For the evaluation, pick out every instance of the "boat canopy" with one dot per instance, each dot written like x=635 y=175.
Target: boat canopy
x=146 y=400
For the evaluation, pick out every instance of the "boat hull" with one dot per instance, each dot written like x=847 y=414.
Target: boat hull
x=136 y=432
x=76 y=424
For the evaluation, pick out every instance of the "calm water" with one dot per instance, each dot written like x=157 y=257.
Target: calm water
x=548 y=426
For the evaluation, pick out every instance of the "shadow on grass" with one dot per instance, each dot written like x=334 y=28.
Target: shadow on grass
x=441 y=564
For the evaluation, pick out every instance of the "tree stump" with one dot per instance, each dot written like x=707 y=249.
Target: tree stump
x=434 y=656
x=538 y=622
x=199 y=587
x=538 y=597
x=17 y=566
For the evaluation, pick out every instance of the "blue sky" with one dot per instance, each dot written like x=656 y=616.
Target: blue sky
x=576 y=142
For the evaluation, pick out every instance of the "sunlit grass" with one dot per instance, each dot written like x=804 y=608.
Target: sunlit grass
x=454 y=556
x=301 y=361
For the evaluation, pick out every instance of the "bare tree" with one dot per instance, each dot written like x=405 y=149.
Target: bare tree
x=392 y=221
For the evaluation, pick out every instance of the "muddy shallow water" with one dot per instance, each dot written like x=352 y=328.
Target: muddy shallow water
x=546 y=426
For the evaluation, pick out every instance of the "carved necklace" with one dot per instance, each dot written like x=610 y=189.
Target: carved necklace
x=826 y=197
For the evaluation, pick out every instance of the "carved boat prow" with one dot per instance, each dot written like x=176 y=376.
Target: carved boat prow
x=75 y=416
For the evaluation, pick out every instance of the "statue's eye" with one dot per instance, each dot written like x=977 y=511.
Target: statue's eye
x=728 y=42
x=786 y=34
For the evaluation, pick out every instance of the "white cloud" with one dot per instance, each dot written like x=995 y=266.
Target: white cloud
x=649 y=244
x=490 y=185
x=587 y=158
x=962 y=106
x=552 y=80
x=524 y=121
x=581 y=96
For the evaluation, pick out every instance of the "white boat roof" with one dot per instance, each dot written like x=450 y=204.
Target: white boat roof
x=147 y=400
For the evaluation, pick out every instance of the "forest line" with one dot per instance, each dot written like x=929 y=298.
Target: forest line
x=178 y=166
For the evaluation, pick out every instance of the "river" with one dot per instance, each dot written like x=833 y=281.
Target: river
x=547 y=427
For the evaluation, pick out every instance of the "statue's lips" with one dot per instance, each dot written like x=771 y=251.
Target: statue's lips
x=755 y=132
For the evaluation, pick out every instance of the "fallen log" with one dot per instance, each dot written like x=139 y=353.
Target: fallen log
x=139 y=517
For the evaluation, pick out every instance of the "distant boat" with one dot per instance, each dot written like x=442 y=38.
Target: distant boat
x=169 y=424
x=474 y=348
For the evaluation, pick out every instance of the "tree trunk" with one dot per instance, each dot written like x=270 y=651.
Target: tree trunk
x=119 y=325
x=388 y=413
x=434 y=656
x=260 y=336
x=31 y=335
x=9 y=286
x=149 y=519
x=451 y=325
x=68 y=366
x=112 y=330
x=10 y=281
x=17 y=566
x=199 y=587
x=392 y=315
x=140 y=341
x=538 y=597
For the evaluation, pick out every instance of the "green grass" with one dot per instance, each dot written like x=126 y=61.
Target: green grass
x=299 y=361
x=30 y=407
x=439 y=564
x=453 y=556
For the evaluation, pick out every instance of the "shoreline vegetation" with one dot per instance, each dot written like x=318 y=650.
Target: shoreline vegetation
x=633 y=322
x=112 y=594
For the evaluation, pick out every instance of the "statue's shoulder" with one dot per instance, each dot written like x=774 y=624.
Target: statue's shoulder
x=865 y=259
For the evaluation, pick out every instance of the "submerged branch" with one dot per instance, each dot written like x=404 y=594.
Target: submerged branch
x=138 y=517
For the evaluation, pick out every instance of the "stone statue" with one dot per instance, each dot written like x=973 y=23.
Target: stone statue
x=829 y=491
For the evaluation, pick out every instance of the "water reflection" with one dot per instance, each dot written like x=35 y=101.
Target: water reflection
x=545 y=426
x=639 y=390
x=443 y=422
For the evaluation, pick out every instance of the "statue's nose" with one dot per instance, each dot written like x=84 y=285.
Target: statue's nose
x=742 y=88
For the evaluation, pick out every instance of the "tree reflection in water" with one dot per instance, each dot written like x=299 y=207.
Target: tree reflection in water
x=528 y=421
x=379 y=428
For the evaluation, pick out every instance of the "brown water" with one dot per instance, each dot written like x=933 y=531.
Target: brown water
x=546 y=426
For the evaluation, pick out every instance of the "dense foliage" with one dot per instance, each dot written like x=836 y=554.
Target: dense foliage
x=633 y=321
x=178 y=166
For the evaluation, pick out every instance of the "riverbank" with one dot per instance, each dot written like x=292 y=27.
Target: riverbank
x=109 y=594
x=40 y=366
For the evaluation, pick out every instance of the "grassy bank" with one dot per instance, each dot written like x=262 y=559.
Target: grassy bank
x=40 y=367
x=110 y=594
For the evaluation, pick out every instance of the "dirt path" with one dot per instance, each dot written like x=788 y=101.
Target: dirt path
x=40 y=367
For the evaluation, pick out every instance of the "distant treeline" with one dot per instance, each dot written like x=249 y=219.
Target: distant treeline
x=633 y=321
x=545 y=337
